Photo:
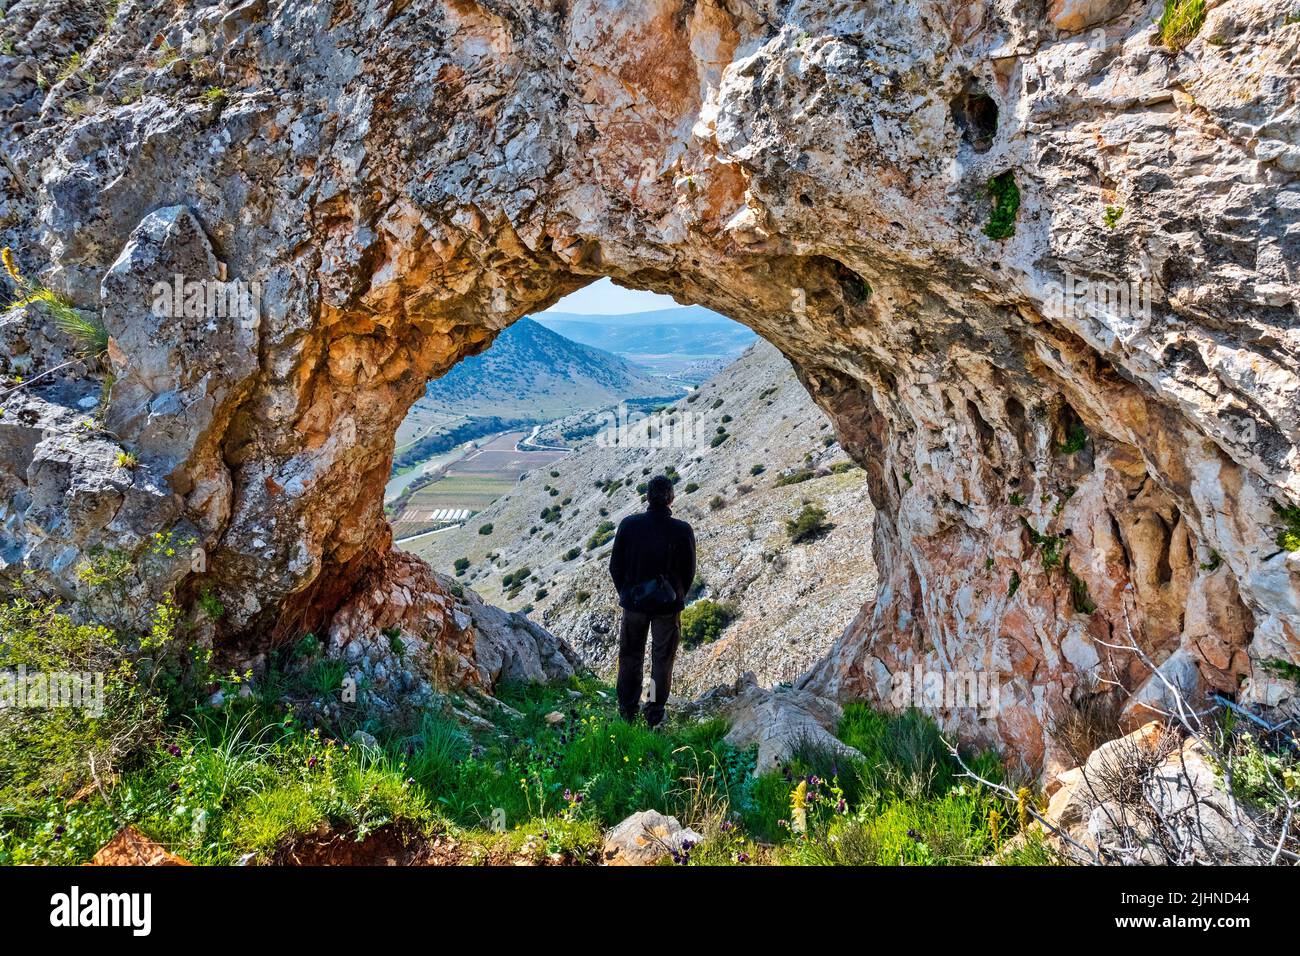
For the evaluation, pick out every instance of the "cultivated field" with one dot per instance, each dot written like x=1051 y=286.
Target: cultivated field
x=471 y=483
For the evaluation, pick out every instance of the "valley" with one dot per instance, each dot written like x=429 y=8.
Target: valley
x=548 y=538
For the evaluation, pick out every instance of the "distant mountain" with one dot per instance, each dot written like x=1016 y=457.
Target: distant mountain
x=533 y=372
x=666 y=339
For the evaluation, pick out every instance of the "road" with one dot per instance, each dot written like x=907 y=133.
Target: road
x=527 y=444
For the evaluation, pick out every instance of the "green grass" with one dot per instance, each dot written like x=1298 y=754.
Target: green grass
x=1180 y=22
x=215 y=785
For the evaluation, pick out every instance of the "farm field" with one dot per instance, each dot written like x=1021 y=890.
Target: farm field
x=471 y=483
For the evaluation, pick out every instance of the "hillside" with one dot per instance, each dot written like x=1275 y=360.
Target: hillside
x=529 y=375
x=792 y=601
x=531 y=371
x=671 y=341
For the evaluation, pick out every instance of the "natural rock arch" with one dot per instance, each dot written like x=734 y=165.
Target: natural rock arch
x=403 y=179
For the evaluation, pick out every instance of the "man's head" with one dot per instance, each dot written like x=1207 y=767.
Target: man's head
x=659 y=493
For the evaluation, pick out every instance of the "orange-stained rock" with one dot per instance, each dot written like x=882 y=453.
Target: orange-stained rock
x=129 y=847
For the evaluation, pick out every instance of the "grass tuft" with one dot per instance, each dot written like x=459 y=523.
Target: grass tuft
x=1180 y=22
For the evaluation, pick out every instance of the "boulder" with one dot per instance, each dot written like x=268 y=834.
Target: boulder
x=780 y=720
x=646 y=838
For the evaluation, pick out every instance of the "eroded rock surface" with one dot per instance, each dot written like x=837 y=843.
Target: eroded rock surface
x=404 y=179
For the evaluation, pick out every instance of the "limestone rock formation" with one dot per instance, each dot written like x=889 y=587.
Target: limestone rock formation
x=905 y=198
x=779 y=721
x=645 y=838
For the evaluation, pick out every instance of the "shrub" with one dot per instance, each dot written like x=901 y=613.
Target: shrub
x=704 y=621
x=571 y=554
x=461 y=565
x=1075 y=439
x=718 y=440
x=717 y=503
x=691 y=486
x=808 y=525
x=1004 y=192
x=48 y=753
x=795 y=477
x=515 y=579
x=604 y=531
x=1288 y=538
x=757 y=470
x=210 y=604
x=485 y=529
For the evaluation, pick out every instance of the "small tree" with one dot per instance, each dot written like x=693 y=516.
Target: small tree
x=808 y=525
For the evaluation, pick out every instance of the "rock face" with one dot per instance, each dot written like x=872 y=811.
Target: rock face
x=904 y=198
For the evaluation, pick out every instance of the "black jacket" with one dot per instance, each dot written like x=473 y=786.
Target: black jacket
x=650 y=544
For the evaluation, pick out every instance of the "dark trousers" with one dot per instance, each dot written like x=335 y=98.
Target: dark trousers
x=666 y=632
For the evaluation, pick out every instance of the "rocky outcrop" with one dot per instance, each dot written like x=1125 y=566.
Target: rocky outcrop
x=1152 y=798
x=780 y=721
x=646 y=838
x=904 y=198
x=510 y=647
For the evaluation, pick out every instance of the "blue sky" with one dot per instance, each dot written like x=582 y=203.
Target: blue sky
x=602 y=297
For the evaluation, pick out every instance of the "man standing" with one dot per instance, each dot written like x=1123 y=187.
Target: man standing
x=653 y=566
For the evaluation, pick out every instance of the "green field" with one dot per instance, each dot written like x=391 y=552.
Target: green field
x=474 y=492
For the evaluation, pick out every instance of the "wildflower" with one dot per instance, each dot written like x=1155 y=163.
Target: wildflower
x=311 y=762
x=727 y=826
x=60 y=829
x=568 y=795
x=173 y=750
x=913 y=835
x=742 y=857
x=173 y=787
x=7 y=256
x=842 y=806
